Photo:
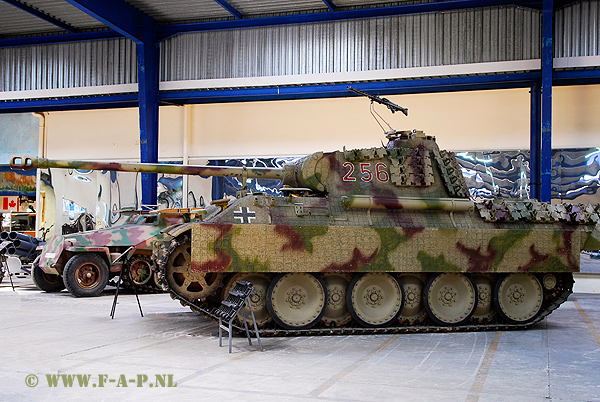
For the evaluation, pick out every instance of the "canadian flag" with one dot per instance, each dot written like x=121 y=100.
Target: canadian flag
x=10 y=203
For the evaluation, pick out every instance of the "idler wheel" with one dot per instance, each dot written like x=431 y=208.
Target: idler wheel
x=141 y=270
x=337 y=312
x=182 y=280
x=450 y=298
x=414 y=308
x=297 y=300
x=519 y=297
x=485 y=309
x=260 y=282
x=375 y=299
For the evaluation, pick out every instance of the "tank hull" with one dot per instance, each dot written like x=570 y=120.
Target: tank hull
x=323 y=237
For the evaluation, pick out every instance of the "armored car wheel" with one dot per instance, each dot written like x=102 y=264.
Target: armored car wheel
x=260 y=282
x=485 y=310
x=375 y=299
x=450 y=298
x=46 y=282
x=297 y=300
x=519 y=297
x=414 y=308
x=140 y=268
x=85 y=275
x=337 y=312
x=183 y=280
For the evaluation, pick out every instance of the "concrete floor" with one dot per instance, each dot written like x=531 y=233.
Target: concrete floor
x=56 y=334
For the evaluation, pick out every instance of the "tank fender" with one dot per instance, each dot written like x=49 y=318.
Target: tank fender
x=51 y=254
x=593 y=241
x=177 y=230
x=104 y=252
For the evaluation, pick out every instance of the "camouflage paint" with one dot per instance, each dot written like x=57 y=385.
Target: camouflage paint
x=261 y=247
x=138 y=234
x=325 y=232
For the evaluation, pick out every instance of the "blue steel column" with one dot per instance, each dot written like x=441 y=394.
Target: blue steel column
x=535 y=142
x=547 y=62
x=148 y=59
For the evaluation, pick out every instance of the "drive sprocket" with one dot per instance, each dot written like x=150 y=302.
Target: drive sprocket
x=182 y=279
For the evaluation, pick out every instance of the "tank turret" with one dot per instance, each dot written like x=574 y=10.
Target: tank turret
x=411 y=165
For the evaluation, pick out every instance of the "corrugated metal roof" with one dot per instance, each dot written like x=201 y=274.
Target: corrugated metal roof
x=173 y=11
x=14 y=22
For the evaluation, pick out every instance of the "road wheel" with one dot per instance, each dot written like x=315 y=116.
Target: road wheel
x=414 y=308
x=450 y=298
x=375 y=299
x=260 y=282
x=85 y=275
x=337 y=312
x=519 y=297
x=47 y=282
x=297 y=300
x=485 y=310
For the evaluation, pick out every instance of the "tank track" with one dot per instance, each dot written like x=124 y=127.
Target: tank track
x=560 y=294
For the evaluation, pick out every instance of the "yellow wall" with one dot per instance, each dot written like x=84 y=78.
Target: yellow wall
x=478 y=120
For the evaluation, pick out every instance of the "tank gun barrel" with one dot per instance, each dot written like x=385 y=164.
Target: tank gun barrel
x=29 y=162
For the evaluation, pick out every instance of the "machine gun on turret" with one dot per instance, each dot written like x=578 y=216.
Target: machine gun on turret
x=383 y=101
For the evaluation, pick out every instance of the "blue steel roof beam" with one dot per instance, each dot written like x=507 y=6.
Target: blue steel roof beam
x=563 y=3
x=46 y=17
x=120 y=16
x=165 y=31
x=73 y=103
x=330 y=5
x=62 y=38
x=425 y=85
x=230 y=9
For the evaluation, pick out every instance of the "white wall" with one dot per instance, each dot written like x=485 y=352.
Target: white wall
x=478 y=120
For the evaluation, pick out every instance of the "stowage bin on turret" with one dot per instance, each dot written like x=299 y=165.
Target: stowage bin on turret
x=367 y=240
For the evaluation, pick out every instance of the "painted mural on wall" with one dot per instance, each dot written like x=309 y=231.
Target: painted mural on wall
x=19 y=134
x=228 y=186
x=489 y=174
x=14 y=183
x=104 y=195
x=505 y=174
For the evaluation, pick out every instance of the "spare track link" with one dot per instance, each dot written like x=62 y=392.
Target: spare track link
x=566 y=289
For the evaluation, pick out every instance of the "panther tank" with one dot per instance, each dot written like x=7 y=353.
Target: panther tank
x=383 y=239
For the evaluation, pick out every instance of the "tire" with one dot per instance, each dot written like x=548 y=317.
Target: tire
x=46 y=282
x=85 y=275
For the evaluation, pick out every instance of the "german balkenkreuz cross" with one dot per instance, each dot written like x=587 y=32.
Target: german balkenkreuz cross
x=244 y=215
